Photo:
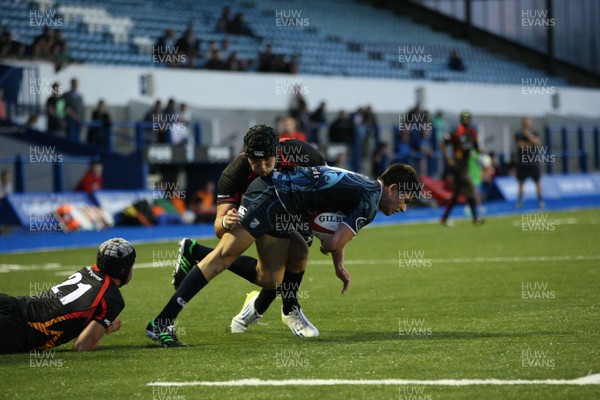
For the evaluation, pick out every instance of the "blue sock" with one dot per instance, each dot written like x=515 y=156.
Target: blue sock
x=192 y=284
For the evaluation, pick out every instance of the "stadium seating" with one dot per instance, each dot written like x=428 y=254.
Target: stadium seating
x=341 y=37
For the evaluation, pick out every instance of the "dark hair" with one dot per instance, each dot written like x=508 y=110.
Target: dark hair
x=261 y=141
x=404 y=176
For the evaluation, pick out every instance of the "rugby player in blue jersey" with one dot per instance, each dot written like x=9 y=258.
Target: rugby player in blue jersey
x=300 y=191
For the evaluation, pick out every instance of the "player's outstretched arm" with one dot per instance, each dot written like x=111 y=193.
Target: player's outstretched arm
x=90 y=337
x=340 y=271
x=336 y=245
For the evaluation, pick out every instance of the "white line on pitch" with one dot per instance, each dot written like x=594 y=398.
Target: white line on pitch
x=466 y=260
x=586 y=380
x=60 y=269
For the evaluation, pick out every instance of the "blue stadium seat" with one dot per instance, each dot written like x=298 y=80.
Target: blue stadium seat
x=322 y=47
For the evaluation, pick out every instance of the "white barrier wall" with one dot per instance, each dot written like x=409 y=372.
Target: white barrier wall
x=252 y=91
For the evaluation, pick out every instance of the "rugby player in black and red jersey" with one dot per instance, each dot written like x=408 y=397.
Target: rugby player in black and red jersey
x=263 y=152
x=462 y=140
x=85 y=307
x=300 y=191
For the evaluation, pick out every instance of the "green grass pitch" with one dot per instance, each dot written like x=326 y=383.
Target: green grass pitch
x=426 y=302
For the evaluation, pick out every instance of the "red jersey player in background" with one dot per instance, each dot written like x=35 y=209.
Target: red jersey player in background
x=462 y=140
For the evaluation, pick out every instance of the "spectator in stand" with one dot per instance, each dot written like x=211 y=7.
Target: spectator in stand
x=215 y=62
x=98 y=132
x=210 y=48
x=381 y=159
x=47 y=46
x=455 y=63
x=403 y=150
x=369 y=118
x=56 y=109
x=233 y=63
x=75 y=111
x=171 y=109
x=42 y=45
x=92 y=180
x=60 y=56
x=278 y=63
x=425 y=129
x=224 y=49
x=238 y=26
x=38 y=51
x=289 y=130
x=3 y=108
x=223 y=21
x=371 y=131
x=169 y=117
x=498 y=168
x=297 y=102
x=154 y=112
x=11 y=48
x=318 y=119
x=180 y=130
x=203 y=203
x=488 y=174
x=247 y=64
x=189 y=45
x=58 y=38
x=154 y=119
x=342 y=129
x=319 y=116
x=357 y=117
x=291 y=67
x=6 y=183
x=265 y=59
x=303 y=123
x=440 y=127
x=412 y=124
x=19 y=51
x=167 y=39
x=6 y=44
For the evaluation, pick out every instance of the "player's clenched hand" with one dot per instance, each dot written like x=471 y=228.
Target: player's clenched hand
x=344 y=276
x=115 y=326
x=232 y=218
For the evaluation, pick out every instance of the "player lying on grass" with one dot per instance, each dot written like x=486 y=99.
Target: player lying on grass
x=263 y=152
x=302 y=191
x=86 y=306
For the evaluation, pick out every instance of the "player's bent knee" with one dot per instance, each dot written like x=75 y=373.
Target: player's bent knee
x=268 y=280
x=298 y=253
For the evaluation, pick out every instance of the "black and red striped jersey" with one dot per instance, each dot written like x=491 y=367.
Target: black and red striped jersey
x=237 y=176
x=60 y=314
x=463 y=140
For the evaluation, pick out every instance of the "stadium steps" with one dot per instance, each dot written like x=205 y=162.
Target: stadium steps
x=116 y=32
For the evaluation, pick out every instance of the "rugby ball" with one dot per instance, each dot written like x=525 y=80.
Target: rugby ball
x=324 y=224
